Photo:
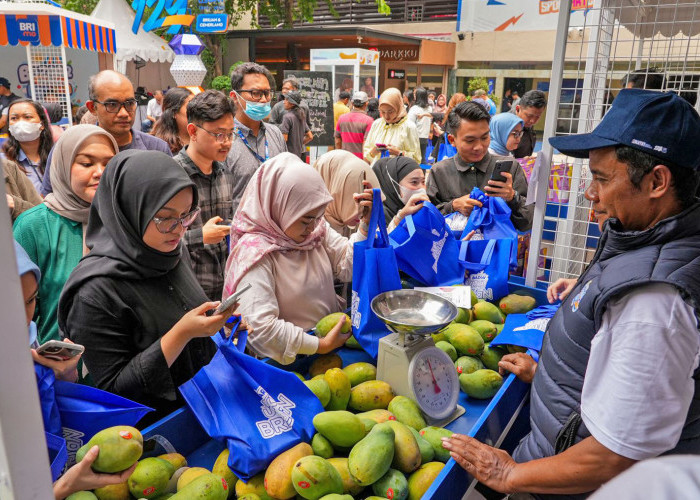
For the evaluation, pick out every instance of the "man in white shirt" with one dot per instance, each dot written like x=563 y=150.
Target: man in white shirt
x=153 y=111
x=618 y=378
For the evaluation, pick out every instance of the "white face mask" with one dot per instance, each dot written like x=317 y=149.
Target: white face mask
x=25 y=131
x=406 y=193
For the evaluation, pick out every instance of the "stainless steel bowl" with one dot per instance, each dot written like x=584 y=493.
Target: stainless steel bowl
x=413 y=312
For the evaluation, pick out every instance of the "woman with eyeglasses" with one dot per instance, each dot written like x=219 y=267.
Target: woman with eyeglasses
x=134 y=301
x=283 y=247
x=30 y=139
x=506 y=130
x=52 y=233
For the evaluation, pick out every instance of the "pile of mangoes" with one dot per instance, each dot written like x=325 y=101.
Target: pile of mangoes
x=467 y=342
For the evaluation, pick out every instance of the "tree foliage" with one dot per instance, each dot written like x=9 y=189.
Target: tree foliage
x=480 y=83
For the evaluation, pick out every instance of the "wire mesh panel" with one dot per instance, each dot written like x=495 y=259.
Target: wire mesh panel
x=48 y=76
x=652 y=44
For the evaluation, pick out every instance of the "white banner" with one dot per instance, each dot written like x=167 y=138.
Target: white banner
x=516 y=15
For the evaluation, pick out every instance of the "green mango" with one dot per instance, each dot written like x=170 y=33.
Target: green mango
x=517 y=304
x=406 y=450
x=491 y=356
x=113 y=492
x=82 y=495
x=439 y=336
x=301 y=377
x=175 y=459
x=488 y=312
x=464 y=316
x=512 y=349
x=278 y=476
x=465 y=339
x=323 y=363
x=360 y=372
x=341 y=428
x=499 y=329
x=482 y=384
x=379 y=416
x=249 y=496
x=371 y=458
x=468 y=364
x=427 y=454
x=420 y=481
x=474 y=300
x=314 y=477
x=255 y=485
x=448 y=349
x=120 y=447
x=393 y=485
x=352 y=343
x=327 y=323
x=339 y=384
x=321 y=389
x=370 y=395
x=434 y=435
x=222 y=469
x=321 y=446
x=336 y=496
x=205 y=487
x=486 y=329
x=368 y=423
x=150 y=478
x=349 y=484
x=407 y=412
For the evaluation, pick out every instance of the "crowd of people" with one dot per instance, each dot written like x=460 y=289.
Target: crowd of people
x=129 y=240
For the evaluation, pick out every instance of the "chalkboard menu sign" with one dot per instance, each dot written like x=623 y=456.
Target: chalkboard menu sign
x=316 y=89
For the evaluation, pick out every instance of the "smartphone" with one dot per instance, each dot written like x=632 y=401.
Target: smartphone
x=381 y=146
x=60 y=351
x=501 y=166
x=232 y=299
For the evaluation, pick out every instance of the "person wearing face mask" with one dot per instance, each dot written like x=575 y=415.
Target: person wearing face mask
x=283 y=247
x=506 y=130
x=393 y=131
x=255 y=141
x=30 y=140
x=403 y=185
x=52 y=233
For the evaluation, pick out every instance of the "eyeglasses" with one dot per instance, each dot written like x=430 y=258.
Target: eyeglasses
x=220 y=137
x=168 y=224
x=258 y=94
x=517 y=134
x=115 y=106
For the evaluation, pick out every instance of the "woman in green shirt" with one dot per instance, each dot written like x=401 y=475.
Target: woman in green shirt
x=52 y=233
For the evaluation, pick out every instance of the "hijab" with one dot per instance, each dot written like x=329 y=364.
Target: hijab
x=440 y=109
x=393 y=97
x=280 y=192
x=343 y=172
x=390 y=171
x=63 y=200
x=501 y=126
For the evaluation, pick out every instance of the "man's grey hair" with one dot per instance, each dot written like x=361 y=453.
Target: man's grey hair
x=533 y=99
x=293 y=80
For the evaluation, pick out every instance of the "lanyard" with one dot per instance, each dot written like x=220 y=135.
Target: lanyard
x=250 y=148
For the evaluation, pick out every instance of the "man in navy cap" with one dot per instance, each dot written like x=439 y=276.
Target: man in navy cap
x=618 y=378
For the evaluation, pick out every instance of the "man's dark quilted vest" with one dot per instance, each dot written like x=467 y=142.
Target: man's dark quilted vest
x=669 y=253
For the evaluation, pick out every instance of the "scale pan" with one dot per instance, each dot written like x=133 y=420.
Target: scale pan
x=413 y=312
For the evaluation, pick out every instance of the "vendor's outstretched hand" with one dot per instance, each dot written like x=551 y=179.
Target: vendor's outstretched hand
x=415 y=203
x=520 y=364
x=81 y=477
x=363 y=201
x=334 y=339
x=560 y=289
x=484 y=463
x=66 y=370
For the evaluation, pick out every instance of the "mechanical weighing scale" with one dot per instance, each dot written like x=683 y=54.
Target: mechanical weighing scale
x=408 y=359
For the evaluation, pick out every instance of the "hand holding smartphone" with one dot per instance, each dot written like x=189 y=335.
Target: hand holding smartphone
x=60 y=351
x=501 y=166
x=232 y=299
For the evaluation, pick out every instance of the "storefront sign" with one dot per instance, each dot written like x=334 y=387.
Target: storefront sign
x=396 y=74
x=516 y=15
x=392 y=54
x=28 y=29
x=316 y=88
x=211 y=23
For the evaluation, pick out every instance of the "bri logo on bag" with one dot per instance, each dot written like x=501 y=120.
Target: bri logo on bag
x=535 y=324
x=278 y=414
x=478 y=282
x=355 y=313
x=436 y=249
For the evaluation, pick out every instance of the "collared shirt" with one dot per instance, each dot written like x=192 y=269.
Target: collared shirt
x=139 y=140
x=32 y=169
x=242 y=163
x=339 y=109
x=352 y=128
x=215 y=192
x=453 y=178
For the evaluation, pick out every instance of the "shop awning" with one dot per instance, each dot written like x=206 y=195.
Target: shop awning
x=32 y=24
x=648 y=18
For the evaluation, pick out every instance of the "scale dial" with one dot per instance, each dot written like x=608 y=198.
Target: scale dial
x=433 y=380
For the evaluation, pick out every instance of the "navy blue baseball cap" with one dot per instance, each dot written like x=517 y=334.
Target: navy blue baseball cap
x=661 y=124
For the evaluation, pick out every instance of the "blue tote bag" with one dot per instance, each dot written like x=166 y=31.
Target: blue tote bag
x=45 y=381
x=58 y=455
x=426 y=249
x=258 y=410
x=526 y=330
x=86 y=410
x=374 y=271
x=486 y=262
x=492 y=220
x=446 y=150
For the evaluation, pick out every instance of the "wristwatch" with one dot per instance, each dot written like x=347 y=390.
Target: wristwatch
x=516 y=199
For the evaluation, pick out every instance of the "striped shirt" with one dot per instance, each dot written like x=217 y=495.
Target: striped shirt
x=352 y=129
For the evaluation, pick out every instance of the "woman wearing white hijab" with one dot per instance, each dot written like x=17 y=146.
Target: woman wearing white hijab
x=282 y=246
x=52 y=233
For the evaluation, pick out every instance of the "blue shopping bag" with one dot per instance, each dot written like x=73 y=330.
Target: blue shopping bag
x=526 y=330
x=58 y=456
x=374 y=271
x=45 y=381
x=446 y=150
x=492 y=220
x=86 y=410
x=425 y=248
x=258 y=410
x=486 y=262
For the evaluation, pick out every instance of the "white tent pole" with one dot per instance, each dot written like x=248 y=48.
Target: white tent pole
x=30 y=67
x=640 y=53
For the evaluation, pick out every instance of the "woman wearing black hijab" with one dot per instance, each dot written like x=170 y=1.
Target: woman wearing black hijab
x=403 y=184
x=134 y=301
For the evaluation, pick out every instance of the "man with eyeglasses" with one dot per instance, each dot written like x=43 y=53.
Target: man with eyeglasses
x=452 y=179
x=529 y=109
x=255 y=141
x=210 y=127
x=112 y=100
